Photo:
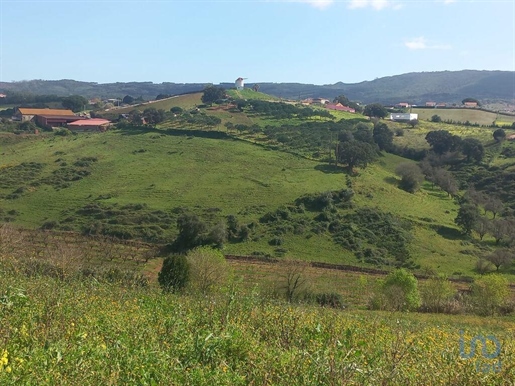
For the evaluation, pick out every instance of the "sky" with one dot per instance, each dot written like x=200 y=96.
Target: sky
x=214 y=41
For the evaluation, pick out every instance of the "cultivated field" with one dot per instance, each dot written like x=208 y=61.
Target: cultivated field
x=463 y=115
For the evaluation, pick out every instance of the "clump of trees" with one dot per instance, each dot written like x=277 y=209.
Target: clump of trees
x=212 y=93
x=411 y=176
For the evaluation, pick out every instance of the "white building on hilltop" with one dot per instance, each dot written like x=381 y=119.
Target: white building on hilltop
x=239 y=84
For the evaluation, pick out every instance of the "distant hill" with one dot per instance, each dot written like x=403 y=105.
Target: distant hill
x=416 y=88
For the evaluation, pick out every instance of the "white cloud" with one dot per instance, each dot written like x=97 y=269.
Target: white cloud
x=421 y=43
x=320 y=4
x=375 y=4
x=448 y=1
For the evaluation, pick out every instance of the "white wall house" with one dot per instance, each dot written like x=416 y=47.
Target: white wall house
x=403 y=117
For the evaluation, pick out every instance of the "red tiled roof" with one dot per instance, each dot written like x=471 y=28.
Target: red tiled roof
x=89 y=122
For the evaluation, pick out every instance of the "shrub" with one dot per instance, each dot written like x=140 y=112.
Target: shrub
x=208 y=269
x=400 y=291
x=489 y=294
x=174 y=274
x=437 y=294
x=330 y=299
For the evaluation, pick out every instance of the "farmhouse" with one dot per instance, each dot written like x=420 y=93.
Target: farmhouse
x=470 y=104
x=94 y=124
x=27 y=114
x=339 y=107
x=402 y=105
x=430 y=104
x=400 y=117
x=50 y=121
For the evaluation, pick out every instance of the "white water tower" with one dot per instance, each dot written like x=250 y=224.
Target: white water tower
x=239 y=83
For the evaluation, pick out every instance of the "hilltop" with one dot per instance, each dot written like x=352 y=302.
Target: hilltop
x=416 y=88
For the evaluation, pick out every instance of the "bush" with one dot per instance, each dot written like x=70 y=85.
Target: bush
x=489 y=294
x=399 y=291
x=437 y=295
x=331 y=299
x=174 y=274
x=208 y=269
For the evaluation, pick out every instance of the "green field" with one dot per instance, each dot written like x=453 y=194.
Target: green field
x=463 y=115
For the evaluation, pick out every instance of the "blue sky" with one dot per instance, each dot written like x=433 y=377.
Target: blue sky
x=318 y=41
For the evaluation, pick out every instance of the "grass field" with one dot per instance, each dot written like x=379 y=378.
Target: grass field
x=89 y=333
x=463 y=115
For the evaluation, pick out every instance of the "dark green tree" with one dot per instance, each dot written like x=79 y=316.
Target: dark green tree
x=383 y=136
x=176 y=110
x=442 y=141
x=174 y=274
x=75 y=103
x=212 y=94
x=191 y=231
x=375 y=110
x=473 y=149
x=356 y=153
x=499 y=135
x=436 y=118
x=467 y=218
x=127 y=99
x=153 y=116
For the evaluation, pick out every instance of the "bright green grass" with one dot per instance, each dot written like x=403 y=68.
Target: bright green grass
x=184 y=101
x=248 y=93
x=227 y=174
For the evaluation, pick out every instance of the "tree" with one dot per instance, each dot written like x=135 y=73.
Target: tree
x=174 y=274
x=162 y=96
x=209 y=270
x=499 y=135
x=441 y=141
x=500 y=257
x=500 y=229
x=135 y=117
x=294 y=278
x=473 y=149
x=383 y=136
x=176 y=110
x=375 y=110
x=127 y=99
x=356 y=153
x=494 y=205
x=212 y=94
x=411 y=176
x=74 y=103
x=468 y=216
x=489 y=293
x=400 y=289
x=191 y=231
x=153 y=116
x=436 y=118
x=482 y=227
x=446 y=181
x=363 y=133
x=413 y=123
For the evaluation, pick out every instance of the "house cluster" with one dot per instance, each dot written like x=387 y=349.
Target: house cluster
x=327 y=104
x=51 y=118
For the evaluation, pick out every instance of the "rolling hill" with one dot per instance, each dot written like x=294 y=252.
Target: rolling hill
x=417 y=88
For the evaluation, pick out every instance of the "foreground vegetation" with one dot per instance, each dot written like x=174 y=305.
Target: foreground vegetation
x=74 y=330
